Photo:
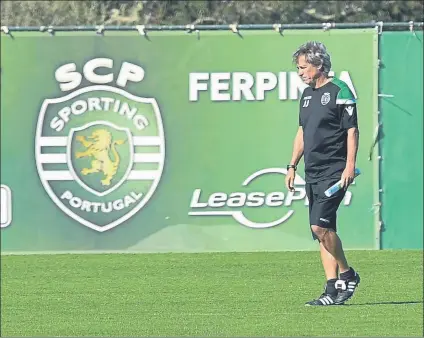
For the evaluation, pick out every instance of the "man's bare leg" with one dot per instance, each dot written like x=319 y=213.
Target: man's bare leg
x=332 y=243
x=331 y=268
x=329 y=263
x=348 y=279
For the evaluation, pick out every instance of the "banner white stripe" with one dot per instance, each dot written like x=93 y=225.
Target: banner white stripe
x=57 y=175
x=53 y=141
x=146 y=157
x=147 y=141
x=65 y=175
x=143 y=175
x=52 y=158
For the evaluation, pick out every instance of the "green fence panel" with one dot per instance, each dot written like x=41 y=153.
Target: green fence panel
x=401 y=76
x=170 y=142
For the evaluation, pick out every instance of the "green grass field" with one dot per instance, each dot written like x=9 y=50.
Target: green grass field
x=210 y=294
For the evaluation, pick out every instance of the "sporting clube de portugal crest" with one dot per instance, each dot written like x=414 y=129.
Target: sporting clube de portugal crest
x=99 y=149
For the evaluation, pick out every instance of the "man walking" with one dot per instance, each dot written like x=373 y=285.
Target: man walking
x=328 y=138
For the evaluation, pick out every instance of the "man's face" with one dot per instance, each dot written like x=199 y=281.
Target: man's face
x=307 y=72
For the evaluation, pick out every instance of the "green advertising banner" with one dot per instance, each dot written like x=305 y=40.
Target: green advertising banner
x=401 y=83
x=170 y=142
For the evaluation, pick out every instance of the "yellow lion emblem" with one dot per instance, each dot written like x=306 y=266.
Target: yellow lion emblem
x=99 y=149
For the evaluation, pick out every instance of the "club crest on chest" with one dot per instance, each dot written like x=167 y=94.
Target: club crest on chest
x=325 y=98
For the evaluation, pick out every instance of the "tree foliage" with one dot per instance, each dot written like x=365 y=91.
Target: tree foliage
x=177 y=12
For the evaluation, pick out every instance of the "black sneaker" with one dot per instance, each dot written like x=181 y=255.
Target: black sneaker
x=323 y=300
x=346 y=288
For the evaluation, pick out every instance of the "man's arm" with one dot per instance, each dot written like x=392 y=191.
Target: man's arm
x=352 y=147
x=348 y=174
x=297 y=155
x=349 y=118
x=297 y=147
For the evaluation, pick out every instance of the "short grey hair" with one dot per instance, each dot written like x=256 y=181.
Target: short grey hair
x=316 y=54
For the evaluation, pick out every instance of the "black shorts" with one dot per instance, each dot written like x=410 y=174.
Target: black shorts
x=323 y=209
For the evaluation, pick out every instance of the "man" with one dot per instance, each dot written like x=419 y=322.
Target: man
x=328 y=139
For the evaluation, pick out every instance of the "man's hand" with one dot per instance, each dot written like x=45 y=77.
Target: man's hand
x=290 y=179
x=348 y=176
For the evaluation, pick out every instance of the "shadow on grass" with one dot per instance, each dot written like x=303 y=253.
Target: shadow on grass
x=386 y=303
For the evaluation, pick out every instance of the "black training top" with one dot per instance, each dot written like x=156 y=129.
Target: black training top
x=326 y=113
